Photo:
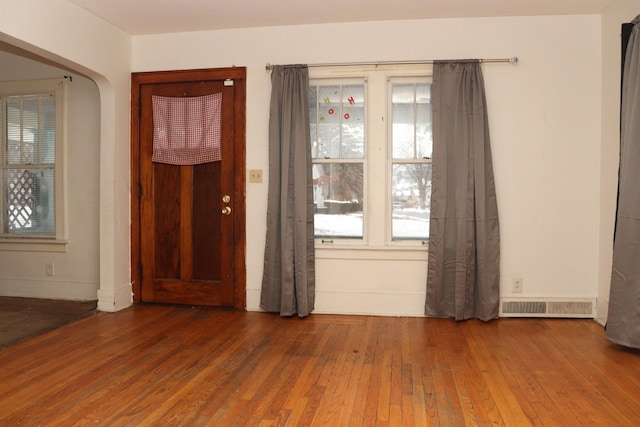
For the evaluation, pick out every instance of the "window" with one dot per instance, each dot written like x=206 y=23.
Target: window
x=371 y=147
x=337 y=119
x=31 y=132
x=411 y=148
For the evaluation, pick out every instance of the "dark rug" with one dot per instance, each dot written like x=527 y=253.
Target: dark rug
x=24 y=318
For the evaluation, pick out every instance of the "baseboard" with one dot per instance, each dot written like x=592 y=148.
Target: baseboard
x=584 y=308
x=412 y=305
x=602 y=311
x=115 y=299
x=64 y=290
x=358 y=303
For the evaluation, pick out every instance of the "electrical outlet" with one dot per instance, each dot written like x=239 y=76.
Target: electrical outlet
x=48 y=268
x=517 y=285
x=255 y=175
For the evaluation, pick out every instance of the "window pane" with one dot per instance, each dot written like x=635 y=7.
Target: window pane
x=337 y=122
x=30 y=129
x=338 y=196
x=424 y=139
x=329 y=122
x=403 y=132
x=29 y=201
x=411 y=121
x=411 y=200
x=15 y=136
x=352 y=122
x=46 y=151
x=403 y=119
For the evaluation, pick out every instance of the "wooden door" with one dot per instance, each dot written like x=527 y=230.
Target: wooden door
x=188 y=221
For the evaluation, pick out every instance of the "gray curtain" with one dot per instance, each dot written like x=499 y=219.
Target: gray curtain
x=463 y=279
x=623 y=322
x=288 y=282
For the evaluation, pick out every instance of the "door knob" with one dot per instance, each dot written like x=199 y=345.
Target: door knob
x=226 y=210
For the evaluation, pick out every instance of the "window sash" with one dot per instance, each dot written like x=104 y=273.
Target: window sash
x=339 y=199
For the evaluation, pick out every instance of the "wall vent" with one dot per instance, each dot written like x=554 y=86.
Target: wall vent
x=520 y=307
x=524 y=307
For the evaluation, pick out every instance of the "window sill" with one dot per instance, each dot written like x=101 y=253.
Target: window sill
x=410 y=253
x=33 y=245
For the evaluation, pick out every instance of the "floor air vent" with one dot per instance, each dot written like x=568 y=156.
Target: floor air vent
x=517 y=307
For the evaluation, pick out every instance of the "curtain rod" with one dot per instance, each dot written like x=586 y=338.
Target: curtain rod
x=513 y=60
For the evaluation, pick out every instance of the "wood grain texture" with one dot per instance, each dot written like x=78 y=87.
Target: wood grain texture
x=178 y=232
x=164 y=365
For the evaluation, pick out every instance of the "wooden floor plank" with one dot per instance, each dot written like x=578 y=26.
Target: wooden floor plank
x=594 y=388
x=162 y=365
x=343 y=379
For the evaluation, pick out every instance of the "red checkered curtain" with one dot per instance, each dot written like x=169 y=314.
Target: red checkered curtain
x=187 y=131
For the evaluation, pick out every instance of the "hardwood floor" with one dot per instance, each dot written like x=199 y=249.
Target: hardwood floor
x=160 y=365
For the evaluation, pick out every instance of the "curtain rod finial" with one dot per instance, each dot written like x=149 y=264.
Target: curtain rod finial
x=513 y=60
x=268 y=67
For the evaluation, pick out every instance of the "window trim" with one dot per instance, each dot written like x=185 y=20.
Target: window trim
x=58 y=242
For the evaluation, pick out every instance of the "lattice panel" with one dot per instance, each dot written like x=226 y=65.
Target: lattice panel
x=20 y=200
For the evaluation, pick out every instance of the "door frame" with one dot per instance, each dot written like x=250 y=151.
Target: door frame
x=238 y=75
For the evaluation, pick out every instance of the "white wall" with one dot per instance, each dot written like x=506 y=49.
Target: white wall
x=22 y=273
x=65 y=34
x=545 y=127
x=619 y=12
x=549 y=115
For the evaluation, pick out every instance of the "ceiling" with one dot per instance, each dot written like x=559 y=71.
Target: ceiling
x=138 y=17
